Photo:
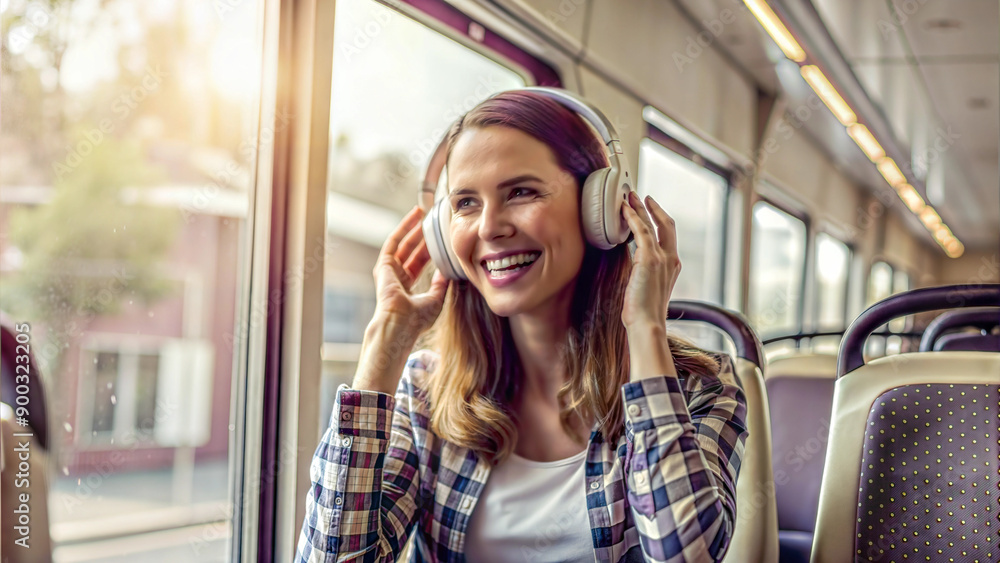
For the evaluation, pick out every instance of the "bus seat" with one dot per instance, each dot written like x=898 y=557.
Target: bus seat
x=756 y=535
x=957 y=341
x=915 y=442
x=983 y=318
x=800 y=395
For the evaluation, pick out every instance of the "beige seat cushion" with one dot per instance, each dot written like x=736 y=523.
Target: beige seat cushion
x=756 y=535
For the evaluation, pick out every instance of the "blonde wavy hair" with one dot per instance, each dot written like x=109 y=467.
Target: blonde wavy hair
x=479 y=375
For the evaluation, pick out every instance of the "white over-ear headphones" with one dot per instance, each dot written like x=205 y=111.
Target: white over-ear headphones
x=604 y=191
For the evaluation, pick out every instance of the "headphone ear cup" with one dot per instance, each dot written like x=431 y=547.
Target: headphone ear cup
x=601 y=210
x=437 y=237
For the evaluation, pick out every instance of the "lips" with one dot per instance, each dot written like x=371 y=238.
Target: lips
x=503 y=278
x=505 y=254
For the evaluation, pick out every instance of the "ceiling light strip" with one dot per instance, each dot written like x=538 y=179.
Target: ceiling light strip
x=857 y=131
x=826 y=92
x=777 y=30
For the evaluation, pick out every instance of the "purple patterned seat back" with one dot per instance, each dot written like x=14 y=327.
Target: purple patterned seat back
x=972 y=342
x=928 y=485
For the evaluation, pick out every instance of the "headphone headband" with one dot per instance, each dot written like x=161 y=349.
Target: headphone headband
x=583 y=108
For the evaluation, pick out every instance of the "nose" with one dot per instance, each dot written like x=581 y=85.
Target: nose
x=494 y=222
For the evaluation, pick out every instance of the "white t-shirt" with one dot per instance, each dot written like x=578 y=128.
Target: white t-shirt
x=532 y=511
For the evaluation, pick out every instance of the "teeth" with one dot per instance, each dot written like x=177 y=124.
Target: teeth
x=524 y=258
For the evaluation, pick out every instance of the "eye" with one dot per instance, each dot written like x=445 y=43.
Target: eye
x=514 y=192
x=458 y=204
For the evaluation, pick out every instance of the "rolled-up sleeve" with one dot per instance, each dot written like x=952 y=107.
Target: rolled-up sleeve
x=362 y=500
x=687 y=443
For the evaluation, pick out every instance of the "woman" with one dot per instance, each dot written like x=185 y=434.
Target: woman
x=547 y=415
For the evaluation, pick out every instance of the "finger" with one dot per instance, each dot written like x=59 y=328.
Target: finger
x=667 y=227
x=439 y=285
x=392 y=243
x=645 y=237
x=641 y=211
x=388 y=269
x=410 y=242
x=415 y=264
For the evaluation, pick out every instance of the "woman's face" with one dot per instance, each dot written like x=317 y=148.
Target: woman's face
x=509 y=197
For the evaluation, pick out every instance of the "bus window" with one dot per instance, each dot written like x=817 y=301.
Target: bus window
x=833 y=259
x=392 y=100
x=777 y=270
x=879 y=282
x=733 y=277
x=695 y=197
x=129 y=152
x=879 y=287
x=900 y=283
x=832 y=267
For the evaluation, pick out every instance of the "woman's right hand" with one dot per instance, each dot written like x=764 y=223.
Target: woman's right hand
x=400 y=262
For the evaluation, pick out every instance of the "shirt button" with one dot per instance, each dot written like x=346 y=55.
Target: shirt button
x=640 y=478
x=346 y=442
x=345 y=416
x=338 y=501
x=595 y=485
x=634 y=410
x=466 y=504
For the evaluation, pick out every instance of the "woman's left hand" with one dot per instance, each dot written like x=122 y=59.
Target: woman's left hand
x=655 y=264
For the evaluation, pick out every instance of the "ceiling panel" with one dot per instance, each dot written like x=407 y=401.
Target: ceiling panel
x=943 y=28
x=967 y=96
x=863 y=29
x=933 y=68
x=743 y=39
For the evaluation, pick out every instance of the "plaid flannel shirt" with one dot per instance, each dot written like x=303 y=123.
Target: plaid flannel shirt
x=664 y=492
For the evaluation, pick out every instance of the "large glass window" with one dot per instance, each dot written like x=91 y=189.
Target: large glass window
x=879 y=282
x=777 y=267
x=900 y=283
x=695 y=197
x=129 y=136
x=879 y=287
x=833 y=260
x=392 y=100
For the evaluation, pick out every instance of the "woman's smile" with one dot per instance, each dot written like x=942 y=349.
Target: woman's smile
x=502 y=273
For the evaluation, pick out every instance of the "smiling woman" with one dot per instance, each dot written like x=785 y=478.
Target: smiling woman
x=528 y=380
